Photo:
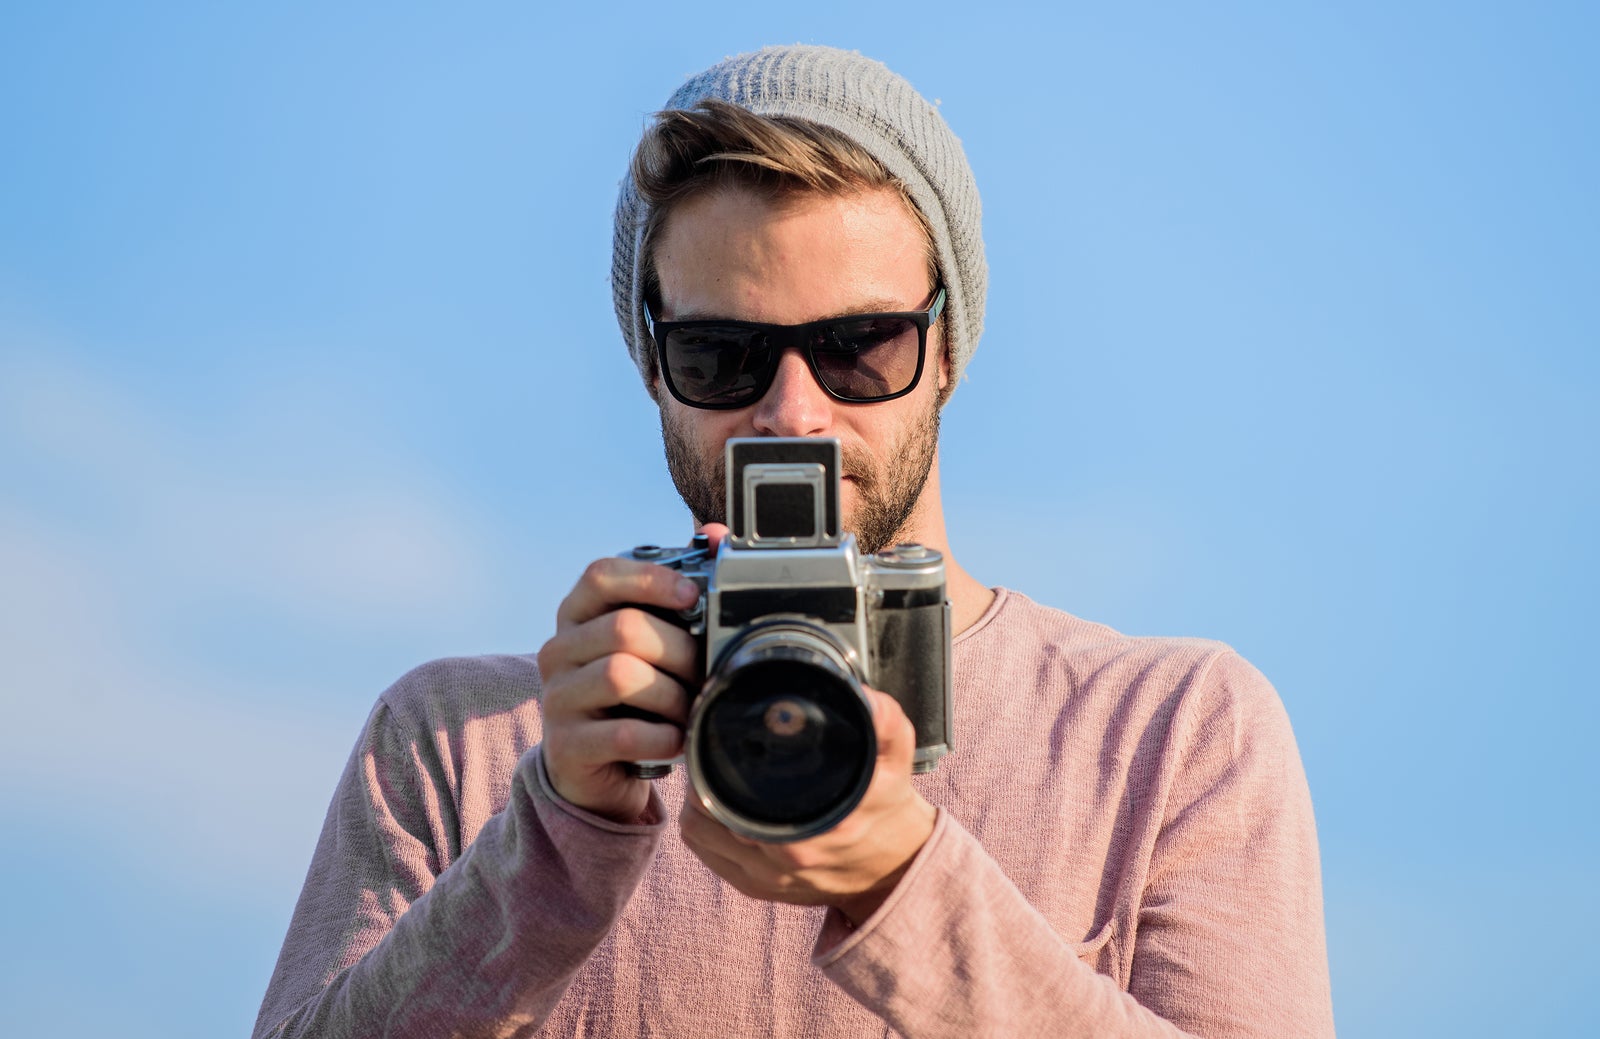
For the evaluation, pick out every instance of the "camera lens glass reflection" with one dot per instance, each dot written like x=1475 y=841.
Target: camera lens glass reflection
x=788 y=744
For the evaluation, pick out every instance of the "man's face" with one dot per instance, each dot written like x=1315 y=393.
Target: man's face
x=731 y=254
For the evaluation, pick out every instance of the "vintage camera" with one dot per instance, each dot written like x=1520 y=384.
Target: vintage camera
x=794 y=620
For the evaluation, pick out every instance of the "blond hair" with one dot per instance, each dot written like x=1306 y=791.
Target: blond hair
x=687 y=152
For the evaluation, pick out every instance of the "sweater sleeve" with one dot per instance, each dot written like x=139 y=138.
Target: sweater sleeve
x=382 y=943
x=1228 y=931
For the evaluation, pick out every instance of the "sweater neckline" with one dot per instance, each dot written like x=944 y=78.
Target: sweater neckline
x=1001 y=595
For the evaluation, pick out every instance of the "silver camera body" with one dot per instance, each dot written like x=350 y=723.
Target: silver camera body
x=795 y=621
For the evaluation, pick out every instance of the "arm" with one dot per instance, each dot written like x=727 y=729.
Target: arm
x=392 y=937
x=1227 y=935
x=379 y=945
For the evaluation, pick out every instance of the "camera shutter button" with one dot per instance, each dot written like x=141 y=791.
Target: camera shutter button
x=908 y=555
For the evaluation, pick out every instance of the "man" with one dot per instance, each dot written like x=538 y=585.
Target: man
x=1120 y=844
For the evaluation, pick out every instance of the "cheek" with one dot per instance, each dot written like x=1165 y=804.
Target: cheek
x=703 y=431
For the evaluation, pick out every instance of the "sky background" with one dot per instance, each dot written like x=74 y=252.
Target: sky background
x=308 y=374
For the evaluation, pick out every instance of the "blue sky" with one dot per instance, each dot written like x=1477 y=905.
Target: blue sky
x=308 y=374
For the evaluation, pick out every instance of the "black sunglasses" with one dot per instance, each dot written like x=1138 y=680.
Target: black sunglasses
x=719 y=364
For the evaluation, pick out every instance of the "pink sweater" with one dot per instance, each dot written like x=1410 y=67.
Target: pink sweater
x=1125 y=847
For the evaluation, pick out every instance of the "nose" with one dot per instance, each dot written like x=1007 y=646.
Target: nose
x=794 y=405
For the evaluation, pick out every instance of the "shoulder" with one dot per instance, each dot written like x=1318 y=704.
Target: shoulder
x=1097 y=668
x=444 y=742
x=1016 y=626
x=455 y=693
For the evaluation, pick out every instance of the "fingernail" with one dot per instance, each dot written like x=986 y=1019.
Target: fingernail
x=688 y=591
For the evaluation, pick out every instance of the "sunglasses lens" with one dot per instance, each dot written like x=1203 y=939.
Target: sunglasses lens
x=730 y=364
x=719 y=365
x=867 y=358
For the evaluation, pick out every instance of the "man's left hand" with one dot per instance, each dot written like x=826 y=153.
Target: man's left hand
x=853 y=866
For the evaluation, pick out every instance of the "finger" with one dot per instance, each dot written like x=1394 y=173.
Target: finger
x=636 y=633
x=716 y=532
x=615 y=681
x=622 y=739
x=726 y=862
x=703 y=832
x=695 y=824
x=609 y=583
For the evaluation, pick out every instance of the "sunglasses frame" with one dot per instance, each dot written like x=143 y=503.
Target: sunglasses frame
x=799 y=337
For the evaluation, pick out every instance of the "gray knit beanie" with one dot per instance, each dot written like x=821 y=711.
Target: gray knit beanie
x=875 y=108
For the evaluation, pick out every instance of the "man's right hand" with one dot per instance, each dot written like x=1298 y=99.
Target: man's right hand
x=606 y=654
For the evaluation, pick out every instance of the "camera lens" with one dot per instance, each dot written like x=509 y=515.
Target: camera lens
x=781 y=745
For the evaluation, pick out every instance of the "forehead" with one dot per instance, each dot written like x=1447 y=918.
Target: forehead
x=732 y=252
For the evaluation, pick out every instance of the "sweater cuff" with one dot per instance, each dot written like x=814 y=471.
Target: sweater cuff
x=839 y=937
x=652 y=822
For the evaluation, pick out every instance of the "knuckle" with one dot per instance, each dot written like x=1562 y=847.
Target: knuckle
x=548 y=658
x=599 y=572
x=625 y=673
x=629 y=627
x=633 y=739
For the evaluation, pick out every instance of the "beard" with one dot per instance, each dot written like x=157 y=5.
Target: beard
x=886 y=494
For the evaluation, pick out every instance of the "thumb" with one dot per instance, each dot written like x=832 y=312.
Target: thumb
x=897 y=738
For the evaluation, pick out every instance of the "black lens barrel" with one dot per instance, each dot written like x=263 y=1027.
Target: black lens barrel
x=780 y=743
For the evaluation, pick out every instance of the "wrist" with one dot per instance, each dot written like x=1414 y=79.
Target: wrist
x=920 y=820
x=858 y=909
